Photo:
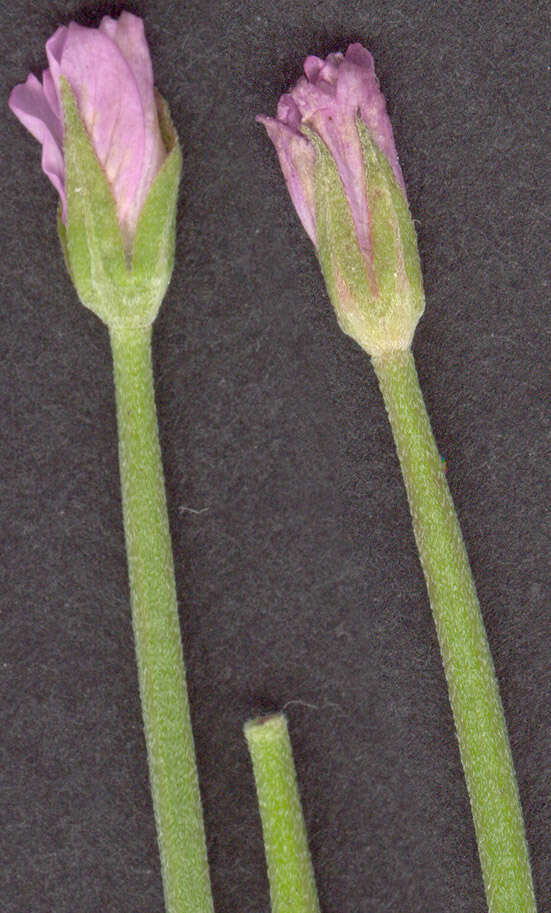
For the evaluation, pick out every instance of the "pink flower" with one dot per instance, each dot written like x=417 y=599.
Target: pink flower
x=335 y=93
x=109 y=71
x=335 y=146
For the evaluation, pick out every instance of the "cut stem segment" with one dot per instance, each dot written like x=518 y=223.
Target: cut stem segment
x=169 y=739
x=472 y=683
x=290 y=873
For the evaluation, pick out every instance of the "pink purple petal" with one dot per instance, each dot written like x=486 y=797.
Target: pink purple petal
x=128 y=34
x=297 y=160
x=110 y=106
x=340 y=135
x=329 y=100
x=30 y=105
x=109 y=71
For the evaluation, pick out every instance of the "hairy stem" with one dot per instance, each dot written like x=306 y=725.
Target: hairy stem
x=472 y=683
x=290 y=873
x=161 y=673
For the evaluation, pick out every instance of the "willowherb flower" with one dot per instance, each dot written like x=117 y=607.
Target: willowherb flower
x=336 y=149
x=109 y=148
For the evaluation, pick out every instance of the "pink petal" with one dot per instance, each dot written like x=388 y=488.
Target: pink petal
x=30 y=105
x=110 y=106
x=309 y=97
x=330 y=100
x=323 y=71
x=288 y=112
x=54 y=52
x=297 y=159
x=358 y=89
x=52 y=97
x=360 y=57
x=312 y=67
x=127 y=32
x=339 y=132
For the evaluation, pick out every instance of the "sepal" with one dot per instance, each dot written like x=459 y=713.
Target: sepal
x=123 y=281
x=153 y=250
x=377 y=293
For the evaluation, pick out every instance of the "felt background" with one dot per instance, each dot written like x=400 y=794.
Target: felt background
x=298 y=578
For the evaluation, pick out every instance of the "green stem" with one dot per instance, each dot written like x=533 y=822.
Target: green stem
x=290 y=873
x=472 y=684
x=169 y=739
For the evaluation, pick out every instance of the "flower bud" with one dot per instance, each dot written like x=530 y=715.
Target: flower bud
x=109 y=148
x=336 y=149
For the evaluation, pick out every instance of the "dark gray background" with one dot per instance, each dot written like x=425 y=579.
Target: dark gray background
x=298 y=577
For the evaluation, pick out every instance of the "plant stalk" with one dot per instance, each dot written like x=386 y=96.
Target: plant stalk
x=290 y=873
x=472 y=684
x=161 y=673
